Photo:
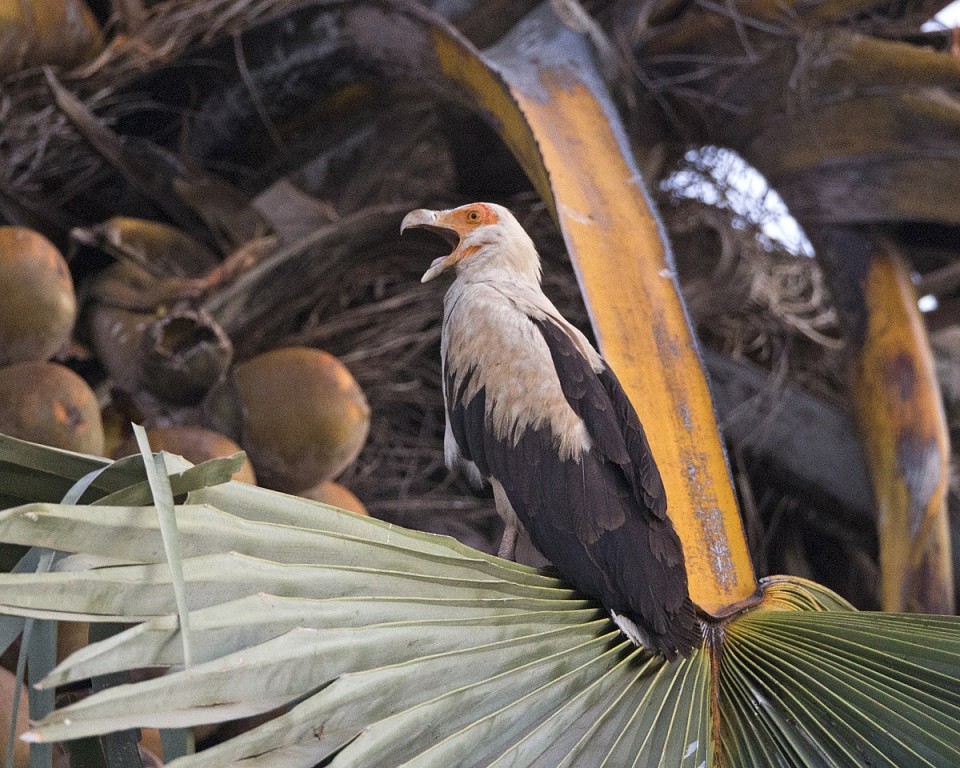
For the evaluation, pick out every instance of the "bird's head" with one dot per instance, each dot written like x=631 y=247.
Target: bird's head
x=482 y=235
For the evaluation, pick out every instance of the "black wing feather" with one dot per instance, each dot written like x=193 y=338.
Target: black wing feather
x=645 y=476
x=611 y=420
x=466 y=419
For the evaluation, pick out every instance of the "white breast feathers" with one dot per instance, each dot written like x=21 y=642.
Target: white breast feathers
x=488 y=329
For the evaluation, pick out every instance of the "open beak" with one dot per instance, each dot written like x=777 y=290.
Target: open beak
x=435 y=221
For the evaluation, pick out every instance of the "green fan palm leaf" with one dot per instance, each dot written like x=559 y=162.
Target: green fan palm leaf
x=847 y=689
x=432 y=654
x=239 y=624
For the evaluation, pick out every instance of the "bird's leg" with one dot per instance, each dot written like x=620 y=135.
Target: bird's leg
x=511 y=525
x=508 y=543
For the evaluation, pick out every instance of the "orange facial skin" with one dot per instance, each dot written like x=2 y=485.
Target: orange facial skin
x=453 y=225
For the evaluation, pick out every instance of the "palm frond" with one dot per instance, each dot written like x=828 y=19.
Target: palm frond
x=382 y=646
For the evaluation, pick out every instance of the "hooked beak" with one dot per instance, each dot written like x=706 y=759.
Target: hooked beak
x=435 y=221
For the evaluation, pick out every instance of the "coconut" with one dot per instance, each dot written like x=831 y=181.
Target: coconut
x=71 y=637
x=49 y=404
x=299 y=414
x=195 y=444
x=149 y=337
x=117 y=337
x=335 y=495
x=182 y=355
x=37 y=304
x=63 y=32
x=8 y=687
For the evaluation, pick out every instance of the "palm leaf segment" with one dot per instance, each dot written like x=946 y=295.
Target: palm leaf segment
x=385 y=646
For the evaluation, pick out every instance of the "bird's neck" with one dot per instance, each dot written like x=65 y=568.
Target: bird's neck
x=503 y=259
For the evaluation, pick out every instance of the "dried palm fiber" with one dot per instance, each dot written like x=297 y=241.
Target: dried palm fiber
x=45 y=164
x=752 y=299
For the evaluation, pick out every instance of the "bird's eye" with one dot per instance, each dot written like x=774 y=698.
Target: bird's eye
x=473 y=216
